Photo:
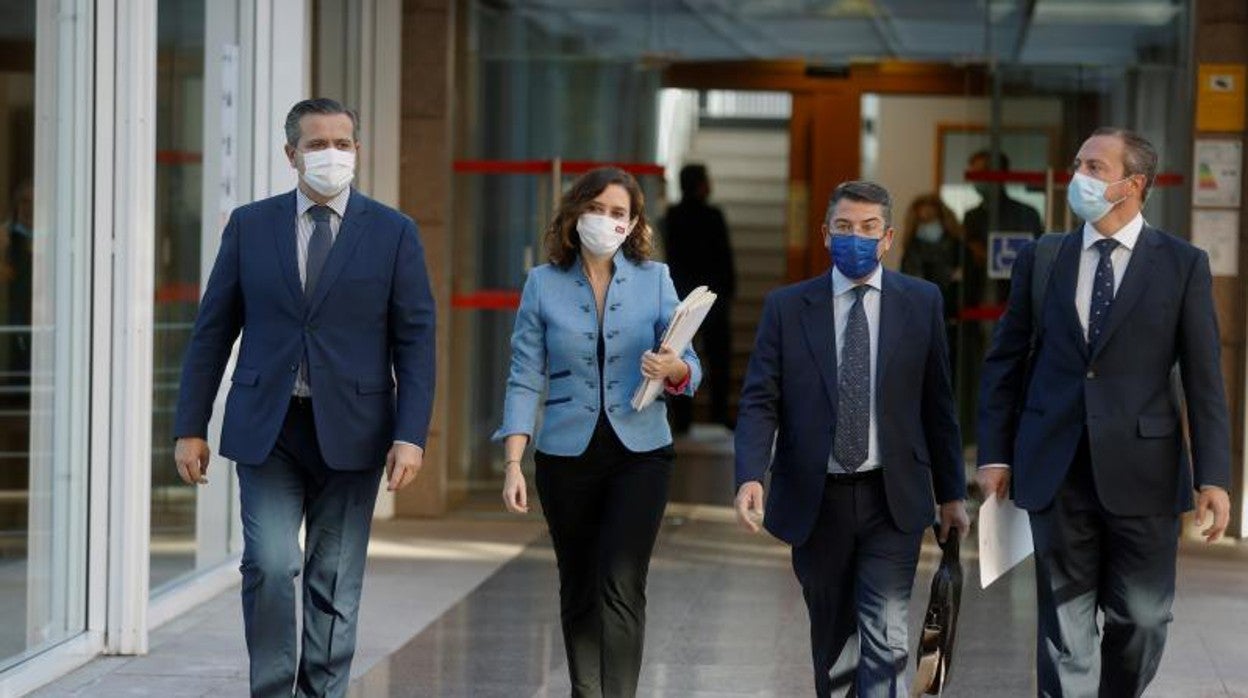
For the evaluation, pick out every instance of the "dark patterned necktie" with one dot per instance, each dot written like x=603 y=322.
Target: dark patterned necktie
x=853 y=403
x=1102 y=290
x=318 y=247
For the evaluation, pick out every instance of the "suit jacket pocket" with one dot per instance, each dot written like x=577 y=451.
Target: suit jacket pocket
x=371 y=387
x=558 y=401
x=245 y=376
x=1156 y=426
x=922 y=456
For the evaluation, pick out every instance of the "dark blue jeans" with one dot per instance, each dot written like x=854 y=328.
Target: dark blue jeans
x=292 y=487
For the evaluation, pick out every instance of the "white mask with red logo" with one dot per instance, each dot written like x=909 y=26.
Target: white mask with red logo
x=602 y=235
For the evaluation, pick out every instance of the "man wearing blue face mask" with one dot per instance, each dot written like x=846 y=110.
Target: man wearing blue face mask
x=1076 y=409
x=850 y=379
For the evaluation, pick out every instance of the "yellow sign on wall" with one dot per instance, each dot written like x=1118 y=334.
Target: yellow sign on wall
x=1220 y=97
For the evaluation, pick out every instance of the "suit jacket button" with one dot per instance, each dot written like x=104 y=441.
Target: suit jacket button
x=294 y=367
x=1091 y=375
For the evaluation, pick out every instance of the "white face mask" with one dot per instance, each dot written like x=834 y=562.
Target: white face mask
x=328 y=171
x=601 y=235
x=1086 y=196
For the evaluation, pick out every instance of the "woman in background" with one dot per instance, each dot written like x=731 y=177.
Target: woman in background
x=934 y=246
x=585 y=337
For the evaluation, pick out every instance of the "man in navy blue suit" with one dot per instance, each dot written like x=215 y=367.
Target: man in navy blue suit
x=1078 y=409
x=333 y=384
x=850 y=379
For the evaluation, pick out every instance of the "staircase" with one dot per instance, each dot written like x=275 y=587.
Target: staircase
x=749 y=169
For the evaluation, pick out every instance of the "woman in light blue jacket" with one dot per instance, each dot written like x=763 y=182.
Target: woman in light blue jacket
x=585 y=337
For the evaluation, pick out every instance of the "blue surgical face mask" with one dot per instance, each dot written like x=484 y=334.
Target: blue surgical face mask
x=854 y=255
x=1086 y=196
x=931 y=231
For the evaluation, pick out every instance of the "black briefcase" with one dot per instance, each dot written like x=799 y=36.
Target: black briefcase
x=940 y=623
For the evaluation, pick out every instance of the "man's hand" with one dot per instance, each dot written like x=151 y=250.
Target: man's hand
x=994 y=480
x=749 y=505
x=191 y=454
x=515 y=491
x=402 y=463
x=1213 y=498
x=953 y=515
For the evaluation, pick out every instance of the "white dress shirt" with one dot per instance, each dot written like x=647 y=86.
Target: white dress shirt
x=304 y=225
x=1126 y=236
x=842 y=302
x=1089 y=258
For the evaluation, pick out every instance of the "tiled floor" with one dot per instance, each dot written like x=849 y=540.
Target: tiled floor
x=467 y=606
x=727 y=619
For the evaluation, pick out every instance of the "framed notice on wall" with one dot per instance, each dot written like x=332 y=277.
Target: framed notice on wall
x=1217 y=233
x=1217 y=172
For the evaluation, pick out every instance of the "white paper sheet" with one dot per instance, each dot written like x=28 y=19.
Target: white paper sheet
x=680 y=330
x=1004 y=539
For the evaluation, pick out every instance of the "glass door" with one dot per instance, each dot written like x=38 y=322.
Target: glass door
x=45 y=280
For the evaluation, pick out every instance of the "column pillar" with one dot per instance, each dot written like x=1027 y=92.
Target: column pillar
x=1220 y=36
x=425 y=194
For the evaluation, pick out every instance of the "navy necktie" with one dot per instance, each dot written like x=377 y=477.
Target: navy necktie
x=853 y=402
x=1102 y=290
x=318 y=247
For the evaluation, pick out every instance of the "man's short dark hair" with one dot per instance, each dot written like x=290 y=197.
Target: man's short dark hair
x=1003 y=160
x=692 y=177
x=318 y=105
x=864 y=191
x=1139 y=156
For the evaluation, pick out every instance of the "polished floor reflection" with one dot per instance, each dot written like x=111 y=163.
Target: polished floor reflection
x=726 y=619
x=467 y=606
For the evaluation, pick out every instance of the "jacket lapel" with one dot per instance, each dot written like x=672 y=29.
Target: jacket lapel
x=1134 y=281
x=818 y=326
x=894 y=309
x=349 y=234
x=286 y=236
x=1064 y=283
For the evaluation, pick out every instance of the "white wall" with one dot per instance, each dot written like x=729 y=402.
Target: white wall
x=905 y=129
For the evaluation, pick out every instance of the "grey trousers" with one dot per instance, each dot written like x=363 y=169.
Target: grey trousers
x=856 y=572
x=1088 y=560
x=277 y=495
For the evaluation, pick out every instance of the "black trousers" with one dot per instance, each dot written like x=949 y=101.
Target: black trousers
x=856 y=572
x=1089 y=560
x=604 y=508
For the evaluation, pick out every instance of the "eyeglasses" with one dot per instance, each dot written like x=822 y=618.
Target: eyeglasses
x=872 y=228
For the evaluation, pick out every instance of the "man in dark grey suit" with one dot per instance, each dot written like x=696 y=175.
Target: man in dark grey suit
x=849 y=379
x=1079 y=412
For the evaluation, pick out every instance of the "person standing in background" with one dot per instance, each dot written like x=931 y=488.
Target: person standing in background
x=699 y=253
x=932 y=240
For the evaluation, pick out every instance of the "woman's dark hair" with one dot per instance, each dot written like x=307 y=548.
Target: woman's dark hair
x=563 y=244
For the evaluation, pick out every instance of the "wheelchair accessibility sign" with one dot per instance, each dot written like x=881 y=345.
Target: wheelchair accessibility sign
x=1003 y=249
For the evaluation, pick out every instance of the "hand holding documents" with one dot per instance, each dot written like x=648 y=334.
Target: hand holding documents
x=1004 y=538
x=684 y=324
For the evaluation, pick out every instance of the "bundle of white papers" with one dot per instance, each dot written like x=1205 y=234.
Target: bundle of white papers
x=685 y=323
x=1004 y=538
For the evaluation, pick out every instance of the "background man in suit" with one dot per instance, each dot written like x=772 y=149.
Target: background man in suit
x=695 y=238
x=1089 y=428
x=850 y=376
x=330 y=292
